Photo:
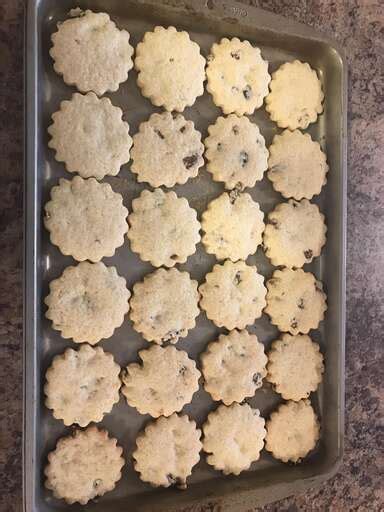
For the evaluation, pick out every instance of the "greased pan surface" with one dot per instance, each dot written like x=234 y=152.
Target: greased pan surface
x=207 y=21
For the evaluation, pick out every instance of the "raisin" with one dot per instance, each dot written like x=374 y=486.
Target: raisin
x=294 y=323
x=300 y=304
x=158 y=132
x=182 y=129
x=308 y=254
x=243 y=158
x=235 y=55
x=190 y=161
x=237 y=279
x=247 y=92
x=235 y=129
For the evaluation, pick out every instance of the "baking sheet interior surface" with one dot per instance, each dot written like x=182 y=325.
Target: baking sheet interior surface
x=125 y=422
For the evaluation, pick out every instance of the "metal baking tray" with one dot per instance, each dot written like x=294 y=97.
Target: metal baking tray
x=207 y=21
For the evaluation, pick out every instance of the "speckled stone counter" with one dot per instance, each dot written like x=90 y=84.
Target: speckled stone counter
x=359 y=26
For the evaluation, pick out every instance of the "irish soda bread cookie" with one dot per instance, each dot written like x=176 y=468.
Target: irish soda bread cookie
x=292 y=431
x=84 y=465
x=295 y=366
x=233 y=226
x=170 y=68
x=164 y=229
x=89 y=136
x=166 y=150
x=87 y=302
x=295 y=301
x=296 y=96
x=297 y=166
x=82 y=385
x=167 y=450
x=233 y=437
x=163 y=383
x=294 y=234
x=233 y=295
x=236 y=152
x=234 y=366
x=86 y=219
x=237 y=76
x=89 y=51
x=165 y=305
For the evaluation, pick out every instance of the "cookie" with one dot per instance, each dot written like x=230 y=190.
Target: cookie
x=171 y=69
x=163 y=383
x=86 y=219
x=236 y=152
x=166 y=150
x=82 y=385
x=164 y=229
x=234 y=366
x=84 y=465
x=296 y=96
x=237 y=76
x=89 y=136
x=90 y=52
x=233 y=295
x=233 y=226
x=295 y=301
x=233 y=438
x=294 y=234
x=167 y=450
x=165 y=305
x=295 y=366
x=297 y=167
x=292 y=431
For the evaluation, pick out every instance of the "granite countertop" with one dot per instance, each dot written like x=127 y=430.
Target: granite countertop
x=359 y=26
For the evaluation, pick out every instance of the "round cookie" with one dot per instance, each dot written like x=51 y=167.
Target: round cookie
x=234 y=366
x=233 y=295
x=237 y=76
x=296 y=302
x=163 y=384
x=292 y=431
x=297 y=165
x=87 y=302
x=233 y=437
x=164 y=229
x=171 y=69
x=296 y=96
x=166 y=150
x=86 y=219
x=90 y=52
x=165 y=305
x=295 y=366
x=167 y=450
x=236 y=152
x=233 y=226
x=89 y=136
x=84 y=465
x=294 y=234
x=82 y=385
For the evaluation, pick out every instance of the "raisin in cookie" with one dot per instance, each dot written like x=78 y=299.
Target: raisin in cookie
x=234 y=366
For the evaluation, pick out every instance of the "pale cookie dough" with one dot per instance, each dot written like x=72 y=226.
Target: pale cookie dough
x=236 y=152
x=295 y=366
x=89 y=136
x=296 y=96
x=234 y=366
x=294 y=234
x=233 y=295
x=237 y=76
x=84 y=465
x=297 y=165
x=166 y=150
x=165 y=305
x=90 y=52
x=164 y=229
x=163 y=383
x=82 y=385
x=167 y=450
x=86 y=219
x=296 y=302
x=233 y=226
x=292 y=431
x=233 y=438
x=171 y=69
